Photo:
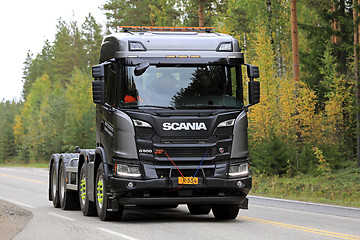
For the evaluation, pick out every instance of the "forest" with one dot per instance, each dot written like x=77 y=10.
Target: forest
x=301 y=126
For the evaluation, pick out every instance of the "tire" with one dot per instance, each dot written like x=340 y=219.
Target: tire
x=54 y=187
x=197 y=209
x=104 y=213
x=68 y=199
x=87 y=207
x=225 y=211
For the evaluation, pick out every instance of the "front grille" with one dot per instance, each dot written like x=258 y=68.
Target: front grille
x=188 y=152
x=184 y=140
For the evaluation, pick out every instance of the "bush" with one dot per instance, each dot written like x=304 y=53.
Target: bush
x=272 y=156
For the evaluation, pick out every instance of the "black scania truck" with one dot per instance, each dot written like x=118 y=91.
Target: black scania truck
x=171 y=127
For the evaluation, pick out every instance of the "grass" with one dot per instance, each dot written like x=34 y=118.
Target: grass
x=339 y=187
x=15 y=163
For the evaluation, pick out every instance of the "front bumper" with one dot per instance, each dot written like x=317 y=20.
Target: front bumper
x=167 y=191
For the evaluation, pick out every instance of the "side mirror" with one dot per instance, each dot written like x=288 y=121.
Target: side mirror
x=254 y=92
x=253 y=72
x=98 y=72
x=141 y=68
x=98 y=85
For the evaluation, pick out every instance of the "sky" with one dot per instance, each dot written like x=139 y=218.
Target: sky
x=25 y=25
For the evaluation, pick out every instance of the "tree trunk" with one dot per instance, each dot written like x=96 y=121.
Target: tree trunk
x=295 y=42
x=356 y=72
x=334 y=26
x=201 y=13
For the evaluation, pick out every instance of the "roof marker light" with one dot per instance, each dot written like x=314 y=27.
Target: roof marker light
x=136 y=46
x=225 y=47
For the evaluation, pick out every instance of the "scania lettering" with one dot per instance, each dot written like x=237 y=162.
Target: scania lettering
x=184 y=126
x=171 y=126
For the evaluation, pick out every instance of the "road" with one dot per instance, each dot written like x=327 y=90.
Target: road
x=265 y=219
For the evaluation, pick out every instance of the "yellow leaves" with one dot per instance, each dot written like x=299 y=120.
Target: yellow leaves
x=287 y=109
x=323 y=166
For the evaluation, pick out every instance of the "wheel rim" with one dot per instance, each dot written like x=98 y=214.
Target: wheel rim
x=62 y=186
x=99 y=192
x=53 y=181
x=82 y=190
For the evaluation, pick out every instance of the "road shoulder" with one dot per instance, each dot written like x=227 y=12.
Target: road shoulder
x=12 y=219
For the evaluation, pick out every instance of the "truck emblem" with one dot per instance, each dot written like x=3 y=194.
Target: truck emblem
x=175 y=126
x=159 y=151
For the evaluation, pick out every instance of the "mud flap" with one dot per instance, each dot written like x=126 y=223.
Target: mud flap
x=244 y=204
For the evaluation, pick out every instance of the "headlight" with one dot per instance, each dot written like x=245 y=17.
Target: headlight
x=127 y=170
x=140 y=123
x=239 y=170
x=227 y=123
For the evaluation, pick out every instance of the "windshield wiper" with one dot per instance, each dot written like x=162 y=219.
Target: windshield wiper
x=155 y=106
x=204 y=106
x=148 y=106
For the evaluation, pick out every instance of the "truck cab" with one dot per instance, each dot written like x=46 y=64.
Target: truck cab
x=171 y=124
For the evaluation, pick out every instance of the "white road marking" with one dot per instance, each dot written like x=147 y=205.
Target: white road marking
x=17 y=203
x=61 y=216
x=117 y=234
x=304 y=203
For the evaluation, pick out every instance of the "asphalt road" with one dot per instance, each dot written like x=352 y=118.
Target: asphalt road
x=265 y=219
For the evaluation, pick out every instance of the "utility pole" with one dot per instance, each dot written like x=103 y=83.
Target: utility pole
x=295 y=42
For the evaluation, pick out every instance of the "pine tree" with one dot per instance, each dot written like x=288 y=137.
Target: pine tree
x=36 y=67
x=8 y=111
x=200 y=12
x=140 y=13
x=91 y=32
x=63 y=62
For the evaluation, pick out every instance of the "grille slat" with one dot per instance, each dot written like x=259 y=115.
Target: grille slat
x=189 y=152
x=184 y=140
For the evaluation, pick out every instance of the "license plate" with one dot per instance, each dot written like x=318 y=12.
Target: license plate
x=188 y=180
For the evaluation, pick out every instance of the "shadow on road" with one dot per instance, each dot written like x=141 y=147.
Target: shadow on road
x=160 y=215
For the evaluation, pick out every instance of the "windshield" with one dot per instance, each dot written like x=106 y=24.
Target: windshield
x=181 y=87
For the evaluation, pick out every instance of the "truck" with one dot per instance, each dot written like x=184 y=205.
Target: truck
x=171 y=127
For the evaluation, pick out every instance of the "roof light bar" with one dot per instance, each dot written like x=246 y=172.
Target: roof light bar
x=172 y=29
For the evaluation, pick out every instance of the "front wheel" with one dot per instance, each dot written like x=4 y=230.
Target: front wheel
x=197 y=209
x=225 y=211
x=103 y=210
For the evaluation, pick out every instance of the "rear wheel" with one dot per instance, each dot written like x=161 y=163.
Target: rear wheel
x=225 y=211
x=198 y=209
x=87 y=207
x=68 y=199
x=103 y=210
x=54 y=191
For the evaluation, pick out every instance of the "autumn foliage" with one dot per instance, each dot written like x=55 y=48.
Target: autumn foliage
x=305 y=126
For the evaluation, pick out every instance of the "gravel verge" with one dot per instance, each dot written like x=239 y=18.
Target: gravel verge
x=12 y=220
